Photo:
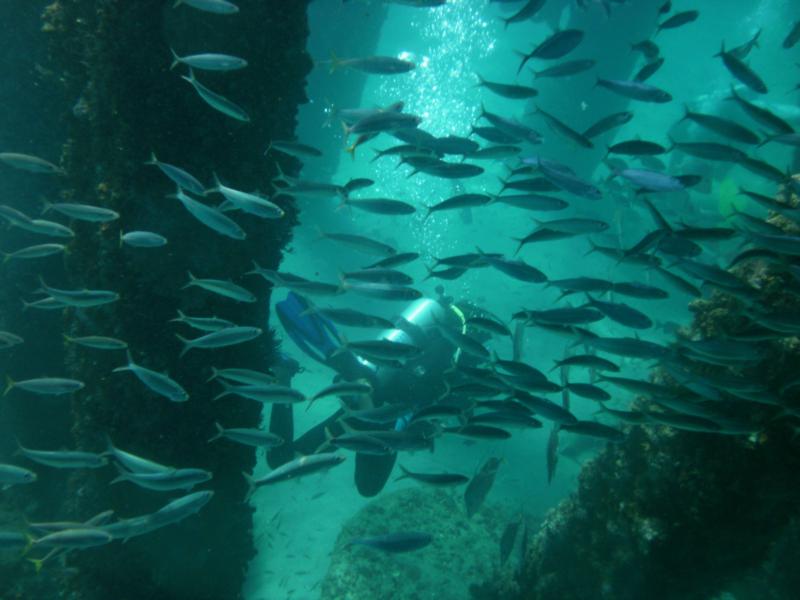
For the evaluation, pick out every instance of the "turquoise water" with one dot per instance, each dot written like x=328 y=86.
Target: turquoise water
x=302 y=529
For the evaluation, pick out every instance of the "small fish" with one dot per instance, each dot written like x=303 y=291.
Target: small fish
x=211 y=217
x=9 y=340
x=381 y=206
x=517 y=269
x=566 y=69
x=710 y=151
x=458 y=202
x=180 y=508
x=45 y=386
x=37 y=251
x=74 y=539
x=294 y=469
x=722 y=126
x=133 y=463
x=374 y=65
x=209 y=61
x=159 y=383
x=493 y=135
x=742 y=72
x=608 y=123
x=507 y=540
x=587 y=360
x=294 y=148
x=166 y=481
x=183 y=179
x=564 y=129
x=742 y=51
x=83 y=212
x=511 y=127
x=637 y=148
x=252 y=204
x=13 y=475
x=514 y=92
x=361 y=243
x=221 y=288
x=98 y=342
x=487 y=324
x=383 y=291
x=222 y=338
x=648 y=70
x=635 y=90
x=142 y=239
x=215 y=100
x=594 y=429
x=64 y=459
x=678 y=20
x=587 y=390
x=345 y=388
x=406 y=541
x=219 y=7
x=477 y=431
x=562 y=316
x=526 y=12
x=266 y=393
x=545 y=408
x=638 y=289
x=480 y=485
x=648 y=48
x=765 y=117
x=80 y=298
x=557 y=45
x=434 y=479
x=248 y=437
x=245 y=376
x=792 y=37
x=203 y=323
x=32 y=164
x=621 y=313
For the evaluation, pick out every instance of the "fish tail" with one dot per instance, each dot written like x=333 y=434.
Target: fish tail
x=187 y=344
x=176 y=59
x=152 y=160
x=9 y=384
x=405 y=474
x=192 y=279
x=214 y=374
x=335 y=62
x=177 y=3
x=6 y=257
x=219 y=434
x=251 y=485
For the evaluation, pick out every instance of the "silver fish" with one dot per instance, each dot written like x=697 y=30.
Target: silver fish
x=157 y=382
x=216 y=101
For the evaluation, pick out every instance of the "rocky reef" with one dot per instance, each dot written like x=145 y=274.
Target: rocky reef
x=462 y=551
x=672 y=514
x=109 y=63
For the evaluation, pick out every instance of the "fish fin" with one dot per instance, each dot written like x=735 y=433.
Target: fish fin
x=405 y=474
x=251 y=485
x=176 y=60
x=177 y=3
x=219 y=434
x=9 y=384
x=192 y=279
x=335 y=62
x=186 y=344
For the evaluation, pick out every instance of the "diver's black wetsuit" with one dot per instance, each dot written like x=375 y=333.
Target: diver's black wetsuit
x=418 y=383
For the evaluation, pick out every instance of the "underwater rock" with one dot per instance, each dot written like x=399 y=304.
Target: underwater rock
x=463 y=551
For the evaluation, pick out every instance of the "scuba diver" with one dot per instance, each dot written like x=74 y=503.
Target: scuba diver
x=399 y=389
